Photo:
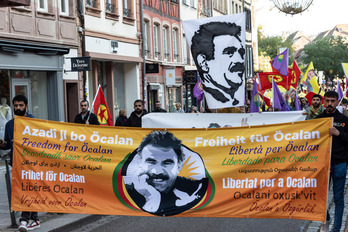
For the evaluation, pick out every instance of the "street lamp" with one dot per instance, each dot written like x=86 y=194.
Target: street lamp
x=292 y=6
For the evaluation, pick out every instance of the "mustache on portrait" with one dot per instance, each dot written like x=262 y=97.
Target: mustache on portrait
x=237 y=67
x=158 y=176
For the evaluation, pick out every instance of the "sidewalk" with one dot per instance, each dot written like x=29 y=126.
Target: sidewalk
x=315 y=226
x=61 y=222
x=49 y=221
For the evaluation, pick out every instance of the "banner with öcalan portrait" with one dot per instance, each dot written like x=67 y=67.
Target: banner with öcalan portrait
x=218 y=48
x=266 y=171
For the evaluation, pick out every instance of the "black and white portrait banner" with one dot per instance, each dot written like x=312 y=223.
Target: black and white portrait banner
x=218 y=48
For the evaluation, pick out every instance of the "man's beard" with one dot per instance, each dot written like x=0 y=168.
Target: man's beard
x=330 y=109
x=19 y=112
x=138 y=111
x=316 y=105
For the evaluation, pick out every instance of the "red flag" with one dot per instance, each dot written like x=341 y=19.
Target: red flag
x=266 y=80
x=101 y=109
x=266 y=99
x=309 y=97
x=294 y=75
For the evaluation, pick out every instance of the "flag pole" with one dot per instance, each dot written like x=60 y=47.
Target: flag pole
x=272 y=94
x=93 y=102
x=259 y=84
x=344 y=94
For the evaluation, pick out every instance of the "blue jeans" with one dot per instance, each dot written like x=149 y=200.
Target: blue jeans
x=338 y=177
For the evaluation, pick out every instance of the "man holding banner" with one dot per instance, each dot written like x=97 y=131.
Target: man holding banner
x=20 y=104
x=134 y=119
x=339 y=154
x=86 y=117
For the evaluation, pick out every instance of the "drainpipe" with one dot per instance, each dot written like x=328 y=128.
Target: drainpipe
x=143 y=52
x=83 y=44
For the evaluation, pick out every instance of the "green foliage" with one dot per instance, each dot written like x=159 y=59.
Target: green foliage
x=327 y=55
x=270 y=45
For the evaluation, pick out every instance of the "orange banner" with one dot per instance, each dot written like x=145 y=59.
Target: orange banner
x=270 y=171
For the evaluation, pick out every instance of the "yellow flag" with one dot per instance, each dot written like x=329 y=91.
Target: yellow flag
x=345 y=68
x=310 y=79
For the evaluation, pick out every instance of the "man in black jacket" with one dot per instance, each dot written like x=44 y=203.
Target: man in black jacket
x=158 y=108
x=339 y=153
x=86 y=117
x=134 y=119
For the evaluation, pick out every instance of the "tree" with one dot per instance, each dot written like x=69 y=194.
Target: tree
x=327 y=55
x=270 y=45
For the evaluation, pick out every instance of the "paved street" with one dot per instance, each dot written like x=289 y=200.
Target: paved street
x=80 y=222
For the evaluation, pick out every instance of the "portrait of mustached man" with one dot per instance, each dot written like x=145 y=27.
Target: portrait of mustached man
x=218 y=52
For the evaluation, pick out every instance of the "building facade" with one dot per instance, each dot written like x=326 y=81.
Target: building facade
x=112 y=38
x=35 y=42
x=162 y=38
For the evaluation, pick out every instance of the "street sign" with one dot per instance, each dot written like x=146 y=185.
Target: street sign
x=80 y=64
x=152 y=68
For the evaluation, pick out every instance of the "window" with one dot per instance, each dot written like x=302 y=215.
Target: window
x=127 y=8
x=220 y=5
x=110 y=6
x=64 y=7
x=184 y=2
x=92 y=3
x=175 y=45
x=42 y=5
x=236 y=8
x=232 y=7
x=165 y=43
x=155 y=41
x=185 y=53
x=248 y=20
x=147 y=40
x=206 y=8
x=249 y=62
x=192 y=3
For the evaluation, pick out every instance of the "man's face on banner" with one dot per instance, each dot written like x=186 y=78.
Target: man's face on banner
x=161 y=166
x=228 y=62
x=310 y=74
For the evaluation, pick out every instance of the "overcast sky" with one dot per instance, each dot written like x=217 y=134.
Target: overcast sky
x=322 y=15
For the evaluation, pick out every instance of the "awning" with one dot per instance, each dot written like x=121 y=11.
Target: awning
x=40 y=49
x=7 y=3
